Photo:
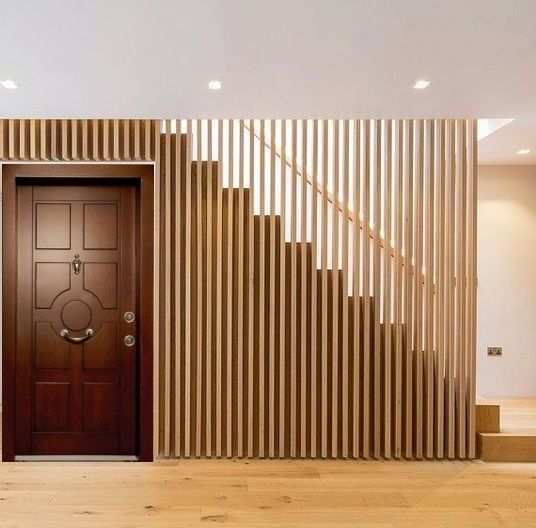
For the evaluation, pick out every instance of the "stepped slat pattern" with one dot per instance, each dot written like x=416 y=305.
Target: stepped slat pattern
x=317 y=280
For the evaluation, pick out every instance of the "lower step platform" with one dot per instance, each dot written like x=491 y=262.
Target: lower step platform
x=516 y=446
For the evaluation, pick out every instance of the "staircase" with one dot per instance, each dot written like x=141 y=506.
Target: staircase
x=255 y=356
x=277 y=385
x=272 y=354
x=513 y=442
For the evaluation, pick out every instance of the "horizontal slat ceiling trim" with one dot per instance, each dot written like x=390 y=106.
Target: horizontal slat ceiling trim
x=289 y=321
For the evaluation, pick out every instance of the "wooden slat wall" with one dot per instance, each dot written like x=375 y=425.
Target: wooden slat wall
x=317 y=279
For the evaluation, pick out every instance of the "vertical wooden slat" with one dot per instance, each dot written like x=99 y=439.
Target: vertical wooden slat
x=408 y=286
x=387 y=291
x=272 y=298
x=209 y=297
x=472 y=190
x=12 y=139
x=240 y=291
x=450 y=285
x=166 y=370
x=335 y=242
x=439 y=294
x=75 y=128
x=304 y=302
x=461 y=284
x=230 y=289
x=116 y=143
x=52 y=140
x=335 y=294
x=157 y=155
x=44 y=138
x=250 y=289
x=366 y=176
x=324 y=283
x=95 y=136
x=3 y=139
x=429 y=288
x=33 y=139
x=106 y=139
x=262 y=289
x=219 y=288
x=398 y=289
x=55 y=155
x=126 y=137
x=282 y=291
x=137 y=139
x=187 y=289
x=65 y=154
x=85 y=140
x=344 y=293
x=376 y=287
x=20 y=148
x=418 y=290
x=199 y=289
x=147 y=154
x=178 y=278
x=314 y=292
x=356 y=290
x=293 y=287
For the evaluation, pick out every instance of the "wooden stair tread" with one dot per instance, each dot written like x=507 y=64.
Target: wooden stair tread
x=514 y=446
x=488 y=418
x=512 y=432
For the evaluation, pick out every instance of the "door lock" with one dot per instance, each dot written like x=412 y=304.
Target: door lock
x=129 y=317
x=129 y=340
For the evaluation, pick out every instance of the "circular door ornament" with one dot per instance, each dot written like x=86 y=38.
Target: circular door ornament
x=76 y=315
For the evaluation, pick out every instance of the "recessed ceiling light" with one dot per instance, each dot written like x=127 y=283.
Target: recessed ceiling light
x=214 y=85
x=9 y=84
x=523 y=151
x=421 y=84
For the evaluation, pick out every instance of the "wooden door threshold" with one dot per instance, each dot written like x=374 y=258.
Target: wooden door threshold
x=76 y=458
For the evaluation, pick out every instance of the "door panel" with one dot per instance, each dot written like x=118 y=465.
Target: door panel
x=76 y=378
x=49 y=351
x=51 y=279
x=53 y=225
x=100 y=278
x=52 y=406
x=100 y=226
x=101 y=352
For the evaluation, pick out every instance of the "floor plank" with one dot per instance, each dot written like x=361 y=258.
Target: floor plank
x=269 y=493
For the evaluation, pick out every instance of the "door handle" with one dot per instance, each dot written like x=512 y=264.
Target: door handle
x=76 y=340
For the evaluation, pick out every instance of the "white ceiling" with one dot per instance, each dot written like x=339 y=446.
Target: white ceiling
x=292 y=58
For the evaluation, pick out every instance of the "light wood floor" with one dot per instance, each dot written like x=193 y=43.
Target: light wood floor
x=268 y=493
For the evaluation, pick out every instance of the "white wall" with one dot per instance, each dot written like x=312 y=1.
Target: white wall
x=507 y=280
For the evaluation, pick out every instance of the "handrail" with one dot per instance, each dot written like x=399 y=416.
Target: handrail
x=334 y=201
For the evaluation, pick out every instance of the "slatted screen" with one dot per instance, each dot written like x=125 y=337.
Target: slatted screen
x=317 y=279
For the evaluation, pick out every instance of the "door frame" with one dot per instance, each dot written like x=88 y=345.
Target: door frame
x=142 y=174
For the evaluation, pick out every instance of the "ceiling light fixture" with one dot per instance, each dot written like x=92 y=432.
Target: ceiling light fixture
x=214 y=85
x=9 y=84
x=523 y=151
x=421 y=84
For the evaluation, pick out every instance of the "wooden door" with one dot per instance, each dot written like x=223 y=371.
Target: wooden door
x=76 y=280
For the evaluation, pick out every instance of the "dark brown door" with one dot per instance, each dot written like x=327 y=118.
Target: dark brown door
x=76 y=280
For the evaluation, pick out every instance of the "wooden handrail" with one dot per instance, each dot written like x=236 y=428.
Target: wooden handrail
x=334 y=201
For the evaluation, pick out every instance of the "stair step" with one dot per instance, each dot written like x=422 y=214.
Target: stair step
x=488 y=418
x=507 y=447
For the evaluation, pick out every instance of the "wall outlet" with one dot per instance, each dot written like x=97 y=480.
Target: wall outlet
x=494 y=351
